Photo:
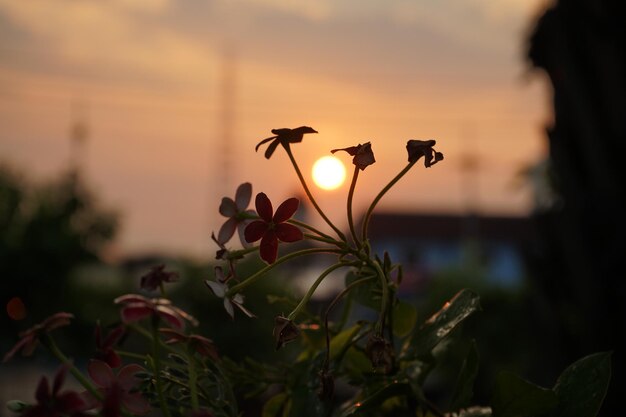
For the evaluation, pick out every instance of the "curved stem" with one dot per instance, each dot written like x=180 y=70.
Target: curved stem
x=355 y=176
x=239 y=287
x=131 y=355
x=383 y=303
x=311 y=291
x=321 y=239
x=157 y=366
x=310 y=228
x=380 y=195
x=308 y=193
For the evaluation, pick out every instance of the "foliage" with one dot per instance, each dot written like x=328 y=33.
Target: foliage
x=364 y=355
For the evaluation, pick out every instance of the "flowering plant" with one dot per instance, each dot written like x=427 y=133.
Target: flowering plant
x=339 y=365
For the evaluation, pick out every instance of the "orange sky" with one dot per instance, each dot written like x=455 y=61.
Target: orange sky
x=149 y=73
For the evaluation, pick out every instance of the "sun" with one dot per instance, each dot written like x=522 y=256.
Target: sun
x=328 y=173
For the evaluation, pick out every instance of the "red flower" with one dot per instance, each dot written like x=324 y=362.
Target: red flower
x=29 y=339
x=118 y=390
x=104 y=347
x=200 y=344
x=156 y=277
x=418 y=148
x=272 y=227
x=363 y=155
x=284 y=137
x=237 y=214
x=53 y=403
x=136 y=307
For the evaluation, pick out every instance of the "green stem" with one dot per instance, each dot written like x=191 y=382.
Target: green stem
x=193 y=378
x=380 y=195
x=310 y=228
x=242 y=285
x=157 y=366
x=131 y=355
x=308 y=193
x=321 y=239
x=355 y=176
x=311 y=291
x=383 y=303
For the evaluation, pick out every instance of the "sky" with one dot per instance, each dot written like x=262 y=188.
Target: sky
x=162 y=84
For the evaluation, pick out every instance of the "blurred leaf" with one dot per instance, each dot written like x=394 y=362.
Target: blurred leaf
x=404 y=318
x=276 y=406
x=436 y=328
x=475 y=412
x=339 y=342
x=582 y=386
x=373 y=401
x=367 y=294
x=464 y=389
x=516 y=397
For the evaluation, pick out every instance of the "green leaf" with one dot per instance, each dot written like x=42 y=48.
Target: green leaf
x=276 y=406
x=461 y=306
x=367 y=294
x=404 y=318
x=516 y=397
x=464 y=389
x=582 y=386
x=339 y=342
x=373 y=401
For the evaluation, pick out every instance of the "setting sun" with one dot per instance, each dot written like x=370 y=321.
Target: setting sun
x=328 y=172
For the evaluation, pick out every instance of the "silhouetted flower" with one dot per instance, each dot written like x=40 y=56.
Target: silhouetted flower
x=284 y=137
x=156 y=277
x=418 y=148
x=29 y=339
x=104 y=347
x=136 y=307
x=200 y=344
x=285 y=331
x=118 y=390
x=380 y=353
x=54 y=403
x=272 y=227
x=237 y=214
x=219 y=288
x=363 y=155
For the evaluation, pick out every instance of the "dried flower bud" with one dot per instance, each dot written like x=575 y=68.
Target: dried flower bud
x=380 y=353
x=418 y=148
x=327 y=386
x=363 y=155
x=156 y=277
x=284 y=331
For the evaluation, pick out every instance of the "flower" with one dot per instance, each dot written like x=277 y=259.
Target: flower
x=200 y=344
x=285 y=331
x=136 y=307
x=418 y=148
x=52 y=403
x=380 y=353
x=363 y=155
x=237 y=214
x=118 y=390
x=219 y=288
x=104 y=347
x=29 y=339
x=272 y=227
x=284 y=137
x=156 y=277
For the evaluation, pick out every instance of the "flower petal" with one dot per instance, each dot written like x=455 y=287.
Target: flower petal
x=229 y=308
x=286 y=210
x=227 y=231
x=114 y=336
x=170 y=316
x=228 y=208
x=43 y=391
x=131 y=298
x=255 y=231
x=101 y=373
x=19 y=345
x=264 y=207
x=244 y=310
x=269 y=247
x=135 y=312
x=56 y=320
x=243 y=196
x=59 y=378
x=241 y=227
x=126 y=377
x=271 y=148
x=70 y=403
x=217 y=288
x=288 y=232
x=135 y=403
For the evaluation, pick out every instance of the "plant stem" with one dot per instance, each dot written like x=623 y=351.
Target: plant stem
x=242 y=285
x=193 y=379
x=308 y=193
x=157 y=366
x=380 y=195
x=311 y=291
x=383 y=303
x=131 y=355
x=355 y=176
x=311 y=228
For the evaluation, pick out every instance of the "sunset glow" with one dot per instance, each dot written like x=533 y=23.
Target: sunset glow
x=328 y=173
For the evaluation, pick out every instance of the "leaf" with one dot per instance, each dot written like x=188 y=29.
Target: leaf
x=461 y=306
x=404 y=318
x=464 y=389
x=339 y=342
x=276 y=406
x=516 y=397
x=367 y=294
x=373 y=401
x=582 y=386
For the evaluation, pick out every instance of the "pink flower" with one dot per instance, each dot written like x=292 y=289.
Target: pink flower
x=53 y=403
x=118 y=390
x=272 y=227
x=29 y=339
x=104 y=347
x=237 y=214
x=200 y=344
x=219 y=288
x=284 y=137
x=156 y=277
x=136 y=307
